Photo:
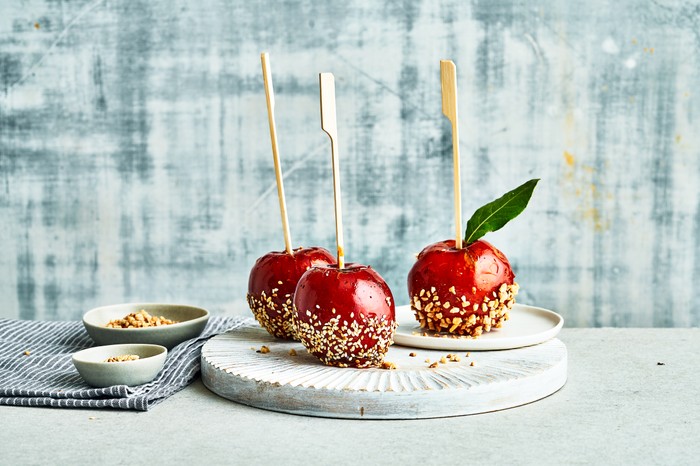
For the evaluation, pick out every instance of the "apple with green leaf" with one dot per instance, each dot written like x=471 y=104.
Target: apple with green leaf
x=468 y=290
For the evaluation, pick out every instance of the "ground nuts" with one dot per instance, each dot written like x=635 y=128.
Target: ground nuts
x=139 y=320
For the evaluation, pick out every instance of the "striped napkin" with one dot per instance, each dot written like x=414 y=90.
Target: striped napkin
x=36 y=367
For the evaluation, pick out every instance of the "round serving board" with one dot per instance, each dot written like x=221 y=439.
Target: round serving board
x=233 y=368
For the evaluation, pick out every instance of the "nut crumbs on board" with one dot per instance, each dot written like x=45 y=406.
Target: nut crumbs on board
x=292 y=352
x=27 y=353
x=264 y=349
x=413 y=355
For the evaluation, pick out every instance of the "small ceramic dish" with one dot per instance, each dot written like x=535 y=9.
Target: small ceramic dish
x=92 y=366
x=191 y=322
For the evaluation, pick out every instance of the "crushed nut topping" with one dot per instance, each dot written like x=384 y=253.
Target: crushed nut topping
x=456 y=316
x=123 y=358
x=140 y=319
x=361 y=342
x=274 y=314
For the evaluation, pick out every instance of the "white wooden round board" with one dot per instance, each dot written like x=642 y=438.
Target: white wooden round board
x=527 y=325
x=233 y=368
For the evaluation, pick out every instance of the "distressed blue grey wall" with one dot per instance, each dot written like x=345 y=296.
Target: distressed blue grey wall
x=135 y=161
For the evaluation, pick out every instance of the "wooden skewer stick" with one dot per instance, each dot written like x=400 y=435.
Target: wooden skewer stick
x=448 y=77
x=270 y=96
x=330 y=127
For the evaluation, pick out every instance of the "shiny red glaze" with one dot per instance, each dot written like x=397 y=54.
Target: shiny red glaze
x=276 y=266
x=479 y=265
x=353 y=291
x=356 y=288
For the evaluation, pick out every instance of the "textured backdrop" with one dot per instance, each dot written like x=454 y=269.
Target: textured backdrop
x=135 y=161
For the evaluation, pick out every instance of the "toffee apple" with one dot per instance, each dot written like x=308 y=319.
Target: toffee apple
x=465 y=286
x=345 y=317
x=271 y=286
x=463 y=291
x=344 y=313
x=468 y=290
x=274 y=276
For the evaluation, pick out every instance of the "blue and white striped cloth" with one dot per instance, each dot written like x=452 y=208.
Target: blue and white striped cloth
x=45 y=376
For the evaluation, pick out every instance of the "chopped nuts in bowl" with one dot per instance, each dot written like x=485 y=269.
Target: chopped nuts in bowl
x=159 y=324
x=139 y=319
x=123 y=358
x=131 y=364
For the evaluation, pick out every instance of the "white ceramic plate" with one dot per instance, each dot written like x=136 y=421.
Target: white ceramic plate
x=527 y=326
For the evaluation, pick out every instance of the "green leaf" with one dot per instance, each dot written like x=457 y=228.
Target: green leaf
x=494 y=215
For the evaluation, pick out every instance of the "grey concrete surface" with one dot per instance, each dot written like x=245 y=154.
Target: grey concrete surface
x=618 y=407
x=135 y=162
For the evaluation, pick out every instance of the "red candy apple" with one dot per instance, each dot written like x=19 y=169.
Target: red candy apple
x=271 y=286
x=461 y=291
x=275 y=275
x=345 y=317
x=468 y=290
x=343 y=314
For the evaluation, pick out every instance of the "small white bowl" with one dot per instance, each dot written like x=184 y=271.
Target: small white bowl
x=191 y=322
x=92 y=366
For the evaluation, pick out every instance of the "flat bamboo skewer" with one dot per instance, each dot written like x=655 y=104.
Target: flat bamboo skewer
x=270 y=97
x=330 y=127
x=448 y=78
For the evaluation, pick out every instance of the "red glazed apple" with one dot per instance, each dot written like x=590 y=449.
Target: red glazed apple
x=468 y=290
x=345 y=317
x=271 y=286
x=461 y=291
